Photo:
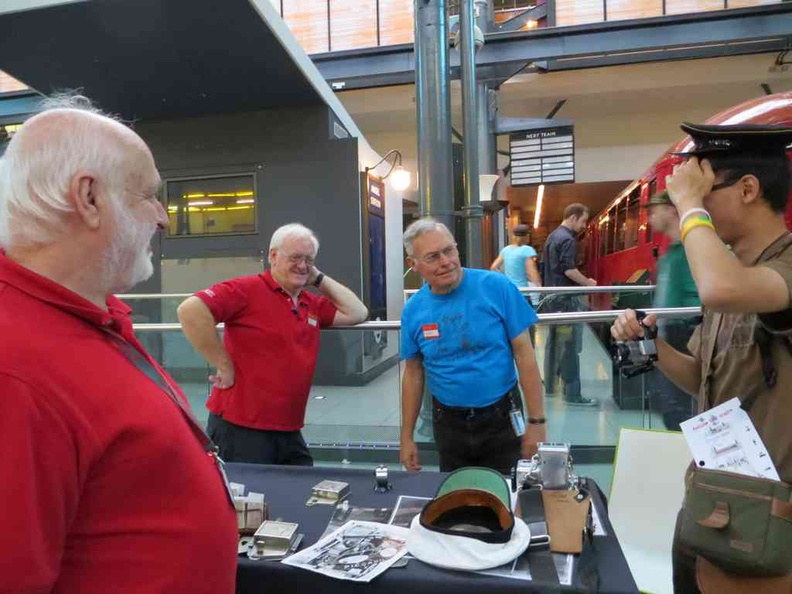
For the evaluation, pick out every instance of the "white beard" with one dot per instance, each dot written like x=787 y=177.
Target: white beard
x=128 y=261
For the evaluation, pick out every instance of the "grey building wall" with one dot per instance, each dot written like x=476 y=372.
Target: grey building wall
x=302 y=173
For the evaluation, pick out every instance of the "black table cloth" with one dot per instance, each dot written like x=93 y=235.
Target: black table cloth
x=286 y=490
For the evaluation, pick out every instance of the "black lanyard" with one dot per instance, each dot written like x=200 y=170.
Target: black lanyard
x=141 y=363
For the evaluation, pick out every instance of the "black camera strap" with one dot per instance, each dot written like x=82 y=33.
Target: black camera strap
x=530 y=509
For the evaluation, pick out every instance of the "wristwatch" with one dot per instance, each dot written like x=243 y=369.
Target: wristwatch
x=536 y=420
x=319 y=279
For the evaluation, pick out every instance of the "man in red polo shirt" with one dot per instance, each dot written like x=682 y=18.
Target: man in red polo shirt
x=266 y=361
x=108 y=483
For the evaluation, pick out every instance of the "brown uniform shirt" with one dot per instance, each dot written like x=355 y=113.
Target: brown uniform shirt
x=731 y=365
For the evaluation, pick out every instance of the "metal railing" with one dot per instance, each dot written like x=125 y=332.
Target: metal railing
x=548 y=319
x=571 y=290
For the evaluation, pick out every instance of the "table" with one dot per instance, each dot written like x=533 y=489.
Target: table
x=287 y=488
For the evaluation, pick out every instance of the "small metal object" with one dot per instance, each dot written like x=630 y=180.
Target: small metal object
x=550 y=468
x=636 y=356
x=381 y=483
x=328 y=493
x=275 y=539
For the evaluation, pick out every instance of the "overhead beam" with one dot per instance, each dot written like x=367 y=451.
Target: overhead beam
x=699 y=35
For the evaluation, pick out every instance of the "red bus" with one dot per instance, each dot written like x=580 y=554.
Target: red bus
x=620 y=246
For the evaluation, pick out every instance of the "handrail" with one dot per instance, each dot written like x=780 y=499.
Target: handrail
x=574 y=290
x=546 y=319
x=523 y=290
x=154 y=295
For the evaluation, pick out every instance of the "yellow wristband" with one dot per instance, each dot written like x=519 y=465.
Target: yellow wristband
x=691 y=224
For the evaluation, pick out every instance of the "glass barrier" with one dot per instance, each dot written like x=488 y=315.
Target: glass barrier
x=355 y=399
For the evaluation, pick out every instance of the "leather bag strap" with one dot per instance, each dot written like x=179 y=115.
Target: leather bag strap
x=719 y=518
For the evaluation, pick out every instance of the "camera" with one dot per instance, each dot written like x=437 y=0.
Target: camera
x=551 y=468
x=635 y=357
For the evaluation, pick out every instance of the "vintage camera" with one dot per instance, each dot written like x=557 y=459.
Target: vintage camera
x=551 y=468
x=635 y=357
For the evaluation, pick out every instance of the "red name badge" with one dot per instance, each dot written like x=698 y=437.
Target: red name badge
x=430 y=331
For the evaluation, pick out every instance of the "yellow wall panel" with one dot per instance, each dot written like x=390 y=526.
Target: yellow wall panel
x=634 y=9
x=577 y=12
x=353 y=24
x=686 y=6
x=396 y=22
x=744 y=3
x=307 y=20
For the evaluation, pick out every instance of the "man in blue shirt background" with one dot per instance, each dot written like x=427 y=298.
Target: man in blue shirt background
x=464 y=331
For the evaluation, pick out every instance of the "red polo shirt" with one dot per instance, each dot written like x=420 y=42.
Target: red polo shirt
x=274 y=346
x=104 y=485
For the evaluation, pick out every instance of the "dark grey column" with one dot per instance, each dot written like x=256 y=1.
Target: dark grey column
x=472 y=208
x=433 y=107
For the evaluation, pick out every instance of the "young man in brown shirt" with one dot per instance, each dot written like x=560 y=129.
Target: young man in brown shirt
x=732 y=191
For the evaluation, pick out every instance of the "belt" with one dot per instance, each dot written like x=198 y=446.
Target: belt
x=504 y=403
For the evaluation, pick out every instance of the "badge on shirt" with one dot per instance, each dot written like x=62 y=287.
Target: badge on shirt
x=430 y=331
x=312 y=320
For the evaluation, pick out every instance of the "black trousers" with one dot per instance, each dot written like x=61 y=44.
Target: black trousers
x=255 y=446
x=476 y=436
x=562 y=349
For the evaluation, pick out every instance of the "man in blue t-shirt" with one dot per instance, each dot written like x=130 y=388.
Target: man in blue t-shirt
x=464 y=331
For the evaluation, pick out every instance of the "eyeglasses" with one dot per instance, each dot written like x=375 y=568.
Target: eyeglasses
x=434 y=257
x=725 y=184
x=297 y=258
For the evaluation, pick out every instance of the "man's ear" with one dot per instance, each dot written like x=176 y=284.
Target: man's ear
x=271 y=256
x=83 y=195
x=750 y=188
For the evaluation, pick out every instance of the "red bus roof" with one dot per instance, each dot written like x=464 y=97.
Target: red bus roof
x=769 y=109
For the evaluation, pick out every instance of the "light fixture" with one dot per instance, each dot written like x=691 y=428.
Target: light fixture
x=245 y=201
x=538 y=212
x=201 y=203
x=487 y=183
x=400 y=180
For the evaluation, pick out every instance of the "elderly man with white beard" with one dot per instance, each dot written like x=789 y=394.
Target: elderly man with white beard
x=108 y=481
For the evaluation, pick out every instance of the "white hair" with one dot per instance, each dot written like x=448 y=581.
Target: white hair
x=292 y=230
x=420 y=227
x=68 y=136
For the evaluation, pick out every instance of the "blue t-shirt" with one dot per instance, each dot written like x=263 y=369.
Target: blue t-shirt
x=464 y=337
x=514 y=257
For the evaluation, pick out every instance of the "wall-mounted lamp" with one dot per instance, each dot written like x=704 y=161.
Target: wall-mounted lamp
x=399 y=176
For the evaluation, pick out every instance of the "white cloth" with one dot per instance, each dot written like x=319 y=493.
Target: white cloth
x=462 y=552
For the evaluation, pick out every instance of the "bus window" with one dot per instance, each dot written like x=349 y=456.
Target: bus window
x=609 y=228
x=652 y=192
x=633 y=214
x=621 y=225
x=602 y=233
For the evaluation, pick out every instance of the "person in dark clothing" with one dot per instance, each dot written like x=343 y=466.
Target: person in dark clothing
x=564 y=343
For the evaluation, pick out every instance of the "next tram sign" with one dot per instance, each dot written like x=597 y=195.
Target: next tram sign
x=543 y=156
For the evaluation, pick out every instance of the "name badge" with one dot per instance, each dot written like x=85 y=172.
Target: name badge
x=430 y=331
x=312 y=321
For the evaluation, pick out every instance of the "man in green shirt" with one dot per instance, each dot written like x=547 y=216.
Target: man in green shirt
x=675 y=288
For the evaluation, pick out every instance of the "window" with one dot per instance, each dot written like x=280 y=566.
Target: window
x=621 y=225
x=607 y=236
x=221 y=205
x=652 y=192
x=633 y=216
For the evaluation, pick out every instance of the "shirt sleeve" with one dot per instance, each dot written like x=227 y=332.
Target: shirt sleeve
x=326 y=311
x=408 y=347
x=530 y=252
x=780 y=322
x=517 y=314
x=567 y=255
x=225 y=300
x=694 y=344
x=42 y=481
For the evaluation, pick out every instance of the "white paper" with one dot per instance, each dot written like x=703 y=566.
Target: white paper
x=358 y=551
x=724 y=438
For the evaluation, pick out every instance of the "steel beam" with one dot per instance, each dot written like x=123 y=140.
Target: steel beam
x=699 y=35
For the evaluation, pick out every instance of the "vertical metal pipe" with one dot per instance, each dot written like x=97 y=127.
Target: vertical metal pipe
x=433 y=109
x=473 y=211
